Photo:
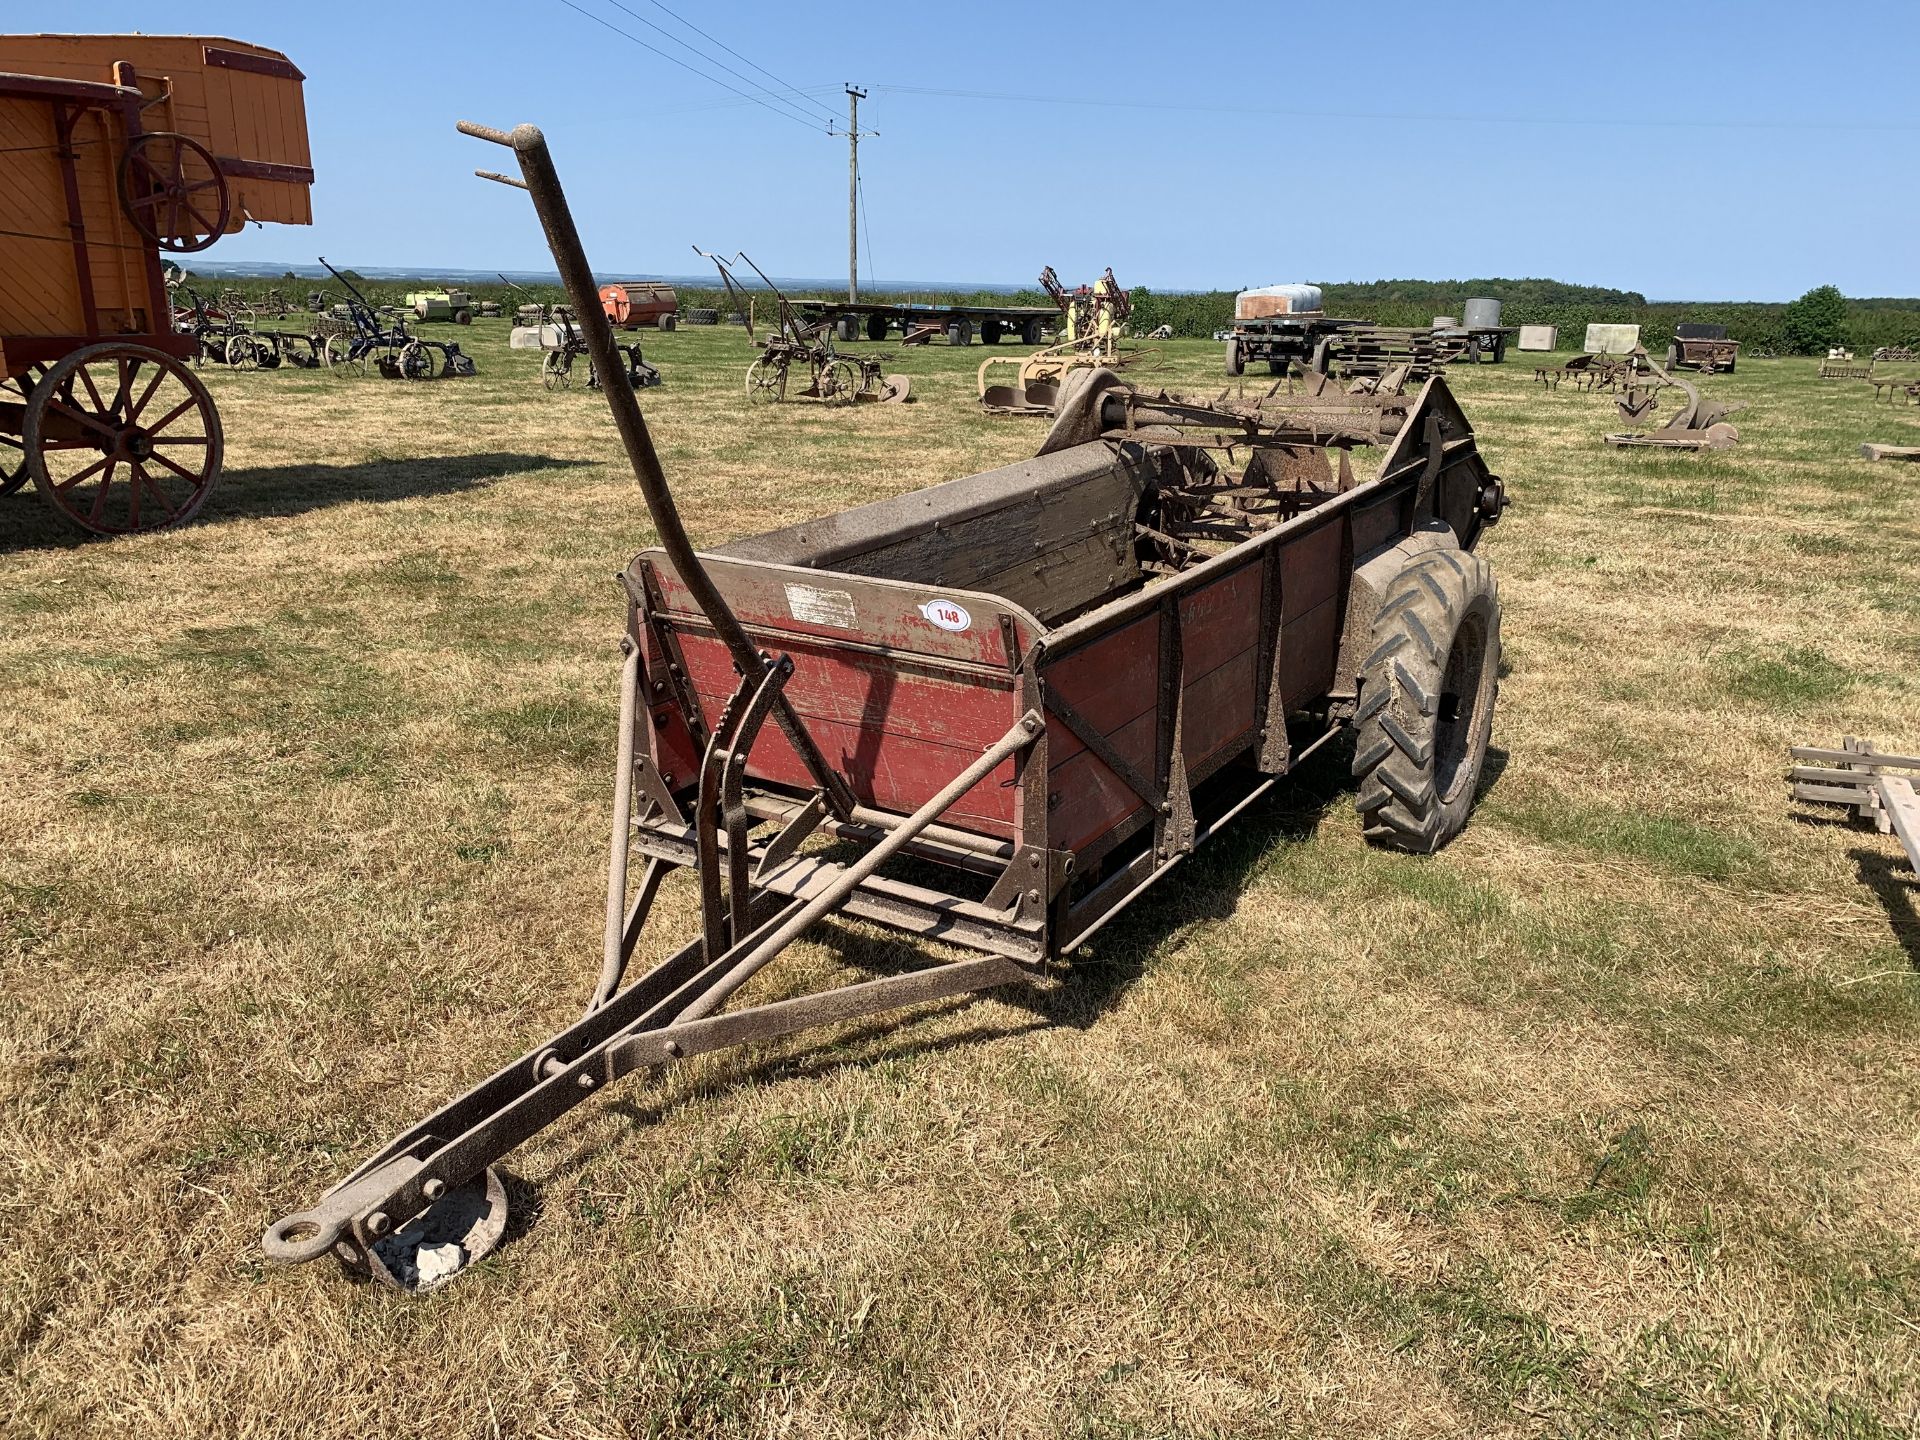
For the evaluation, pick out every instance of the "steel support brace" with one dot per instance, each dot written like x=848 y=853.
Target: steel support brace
x=667 y=1013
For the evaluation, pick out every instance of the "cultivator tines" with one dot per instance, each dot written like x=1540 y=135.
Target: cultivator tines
x=1697 y=425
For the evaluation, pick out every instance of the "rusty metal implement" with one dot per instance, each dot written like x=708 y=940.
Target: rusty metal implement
x=1697 y=425
x=1040 y=688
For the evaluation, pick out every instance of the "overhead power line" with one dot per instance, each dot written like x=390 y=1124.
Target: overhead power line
x=784 y=86
x=709 y=59
x=1583 y=120
x=785 y=114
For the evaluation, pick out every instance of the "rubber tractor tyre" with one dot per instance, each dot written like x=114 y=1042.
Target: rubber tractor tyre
x=1426 y=700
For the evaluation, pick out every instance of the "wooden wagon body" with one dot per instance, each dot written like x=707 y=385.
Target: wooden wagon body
x=921 y=627
x=116 y=150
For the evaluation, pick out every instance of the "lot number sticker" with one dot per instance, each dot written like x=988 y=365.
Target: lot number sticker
x=947 y=614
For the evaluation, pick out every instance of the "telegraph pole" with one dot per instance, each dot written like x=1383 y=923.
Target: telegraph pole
x=854 y=97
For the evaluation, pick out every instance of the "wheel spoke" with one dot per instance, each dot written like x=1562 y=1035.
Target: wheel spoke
x=100 y=407
x=147 y=394
x=206 y=225
x=172 y=415
x=100 y=496
x=159 y=493
x=81 y=416
x=65 y=485
x=187 y=475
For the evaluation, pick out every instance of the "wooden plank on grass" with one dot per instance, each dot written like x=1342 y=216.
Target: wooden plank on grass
x=1903 y=809
x=1891 y=452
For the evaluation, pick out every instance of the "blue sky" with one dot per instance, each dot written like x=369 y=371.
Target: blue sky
x=1691 y=151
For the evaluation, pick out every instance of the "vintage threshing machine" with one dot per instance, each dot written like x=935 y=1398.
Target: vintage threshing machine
x=114 y=149
x=1045 y=686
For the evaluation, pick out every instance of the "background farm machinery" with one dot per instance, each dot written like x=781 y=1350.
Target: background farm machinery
x=551 y=328
x=794 y=345
x=1092 y=322
x=451 y=306
x=1705 y=348
x=1039 y=689
x=368 y=343
x=113 y=150
x=231 y=336
x=1699 y=424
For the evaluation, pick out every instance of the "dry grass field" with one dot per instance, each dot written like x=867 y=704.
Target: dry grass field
x=1604 y=1121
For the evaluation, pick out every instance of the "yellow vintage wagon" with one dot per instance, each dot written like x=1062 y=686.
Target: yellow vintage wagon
x=114 y=150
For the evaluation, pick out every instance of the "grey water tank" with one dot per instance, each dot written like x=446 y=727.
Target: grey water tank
x=1482 y=314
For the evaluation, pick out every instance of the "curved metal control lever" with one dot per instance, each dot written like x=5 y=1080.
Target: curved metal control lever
x=542 y=182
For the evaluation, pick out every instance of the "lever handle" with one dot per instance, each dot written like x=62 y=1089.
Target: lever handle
x=485 y=132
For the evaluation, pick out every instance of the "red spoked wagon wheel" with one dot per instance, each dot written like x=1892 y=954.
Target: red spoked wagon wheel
x=172 y=189
x=121 y=438
x=14 y=393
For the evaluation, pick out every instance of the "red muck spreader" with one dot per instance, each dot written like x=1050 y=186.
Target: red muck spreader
x=1045 y=686
x=115 y=149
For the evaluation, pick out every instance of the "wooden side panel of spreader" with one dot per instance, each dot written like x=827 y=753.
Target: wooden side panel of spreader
x=897 y=703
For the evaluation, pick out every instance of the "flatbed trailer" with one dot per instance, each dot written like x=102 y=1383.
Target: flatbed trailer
x=876 y=319
x=1039 y=689
x=1281 y=340
x=1330 y=345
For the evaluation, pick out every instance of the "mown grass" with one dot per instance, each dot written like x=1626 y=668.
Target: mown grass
x=1602 y=1122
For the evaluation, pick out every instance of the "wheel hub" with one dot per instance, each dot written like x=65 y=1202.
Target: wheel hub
x=133 y=442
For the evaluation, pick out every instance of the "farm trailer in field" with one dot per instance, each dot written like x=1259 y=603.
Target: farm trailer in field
x=876 y=319
x=1047 y=685
x=114 y=149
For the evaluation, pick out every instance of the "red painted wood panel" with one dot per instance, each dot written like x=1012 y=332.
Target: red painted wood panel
x=897 y=734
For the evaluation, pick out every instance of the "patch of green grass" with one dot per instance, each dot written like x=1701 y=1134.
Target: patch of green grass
x=1668 y=843
x=556 y=729
x=1797 y=676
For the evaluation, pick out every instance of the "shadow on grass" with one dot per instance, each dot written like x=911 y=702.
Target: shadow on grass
x=1208 y=887
x=27 y=523
x=1894 y=882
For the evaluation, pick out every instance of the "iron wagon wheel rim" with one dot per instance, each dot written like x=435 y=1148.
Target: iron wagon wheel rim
x=766 y=381
x=416 y=361
x=242 y=353
x=14 y=471
x=173 y=191
x=556 y=370
x=839 y=382
x=1462 y=698
x=142 y=453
